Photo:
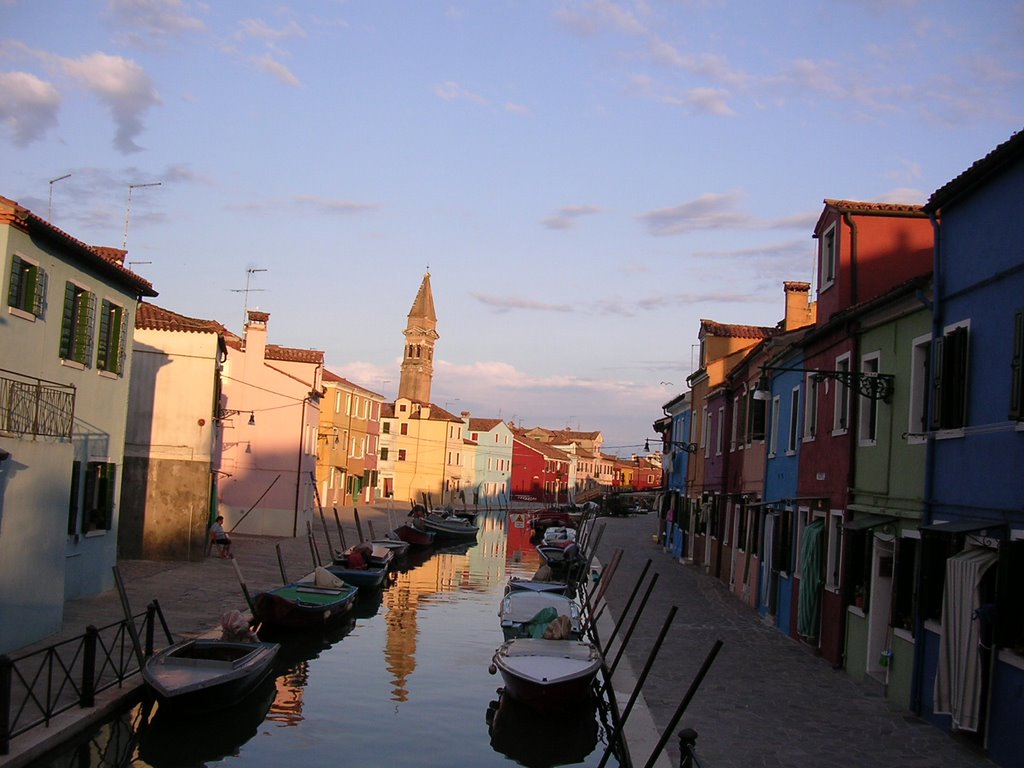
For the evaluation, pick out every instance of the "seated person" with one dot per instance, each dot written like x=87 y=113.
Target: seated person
x=219 y=537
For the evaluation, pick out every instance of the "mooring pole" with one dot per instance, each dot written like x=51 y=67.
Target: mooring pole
x=359 y=526
x=280 y=564
x=633 y=623
x=341 y=531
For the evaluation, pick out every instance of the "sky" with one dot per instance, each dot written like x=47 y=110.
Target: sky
x=585 y=180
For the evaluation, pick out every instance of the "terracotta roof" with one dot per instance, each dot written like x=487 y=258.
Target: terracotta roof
x=293 y=355
x=116 y=255
x=542 y=448
x=154 y=318
x=15 y=215
x=483 y=425
x=437 y=413
x=887 y=209
x=255 y=316
x=790 y=285
x=995 y=162
x=329 y=376
x=712 y=328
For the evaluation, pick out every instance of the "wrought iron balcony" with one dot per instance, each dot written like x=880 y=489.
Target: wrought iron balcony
x=37 y=407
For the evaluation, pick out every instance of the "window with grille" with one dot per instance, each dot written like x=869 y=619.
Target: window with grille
x=98 y=506
x=27 y=287
x=111 y=342
x=76 y=324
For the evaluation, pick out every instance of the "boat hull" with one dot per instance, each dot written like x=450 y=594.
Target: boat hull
x=447 y=530
x=414 y=536
x=301 y=606
x=548 y=675
x=205 y=675
x=516 y=584
x=370 y=577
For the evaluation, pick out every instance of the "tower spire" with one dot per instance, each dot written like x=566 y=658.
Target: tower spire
x=420 y=336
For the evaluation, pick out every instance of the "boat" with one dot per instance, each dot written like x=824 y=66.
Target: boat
x=525 y=613
x=200 y=675
x=449 y=527
x=560 y=553
x=311 y=602
x=370 y=577
x=398 y=547
x=548 y=675
x=558 y=533
x=413 y=536
x=533 y=738
x=378 y=556
x=518 y=584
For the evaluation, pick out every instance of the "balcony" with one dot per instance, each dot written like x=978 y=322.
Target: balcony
x=36 y=407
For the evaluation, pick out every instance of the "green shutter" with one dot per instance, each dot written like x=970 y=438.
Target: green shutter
x=39 y=292
x=103 y=344
x=15 y=285
x=67 y=321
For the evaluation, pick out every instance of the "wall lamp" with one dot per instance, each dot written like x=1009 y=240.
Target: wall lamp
x=229 y=412
x=874 y=386
x=687 y=447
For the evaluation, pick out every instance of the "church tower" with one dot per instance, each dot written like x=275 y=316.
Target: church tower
x=418 y=360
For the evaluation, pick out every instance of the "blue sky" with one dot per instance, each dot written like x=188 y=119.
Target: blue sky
x=585 y=180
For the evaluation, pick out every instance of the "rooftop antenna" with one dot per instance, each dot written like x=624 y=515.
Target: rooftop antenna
x=247 y=290
x=49 y=204
x=128 y=208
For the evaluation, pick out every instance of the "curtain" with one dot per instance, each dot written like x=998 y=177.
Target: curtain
x=808 y=615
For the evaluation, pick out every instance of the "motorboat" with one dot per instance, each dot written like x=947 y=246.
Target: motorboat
x=548 y=675
x=313 y=601
x=413 y=536
x=202 y=675
x=449 y=527
x=518 y=584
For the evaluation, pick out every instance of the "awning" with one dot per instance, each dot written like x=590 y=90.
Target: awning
x=864 y=521
x=964 y=525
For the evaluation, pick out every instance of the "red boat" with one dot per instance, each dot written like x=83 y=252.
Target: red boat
x=548 y=675
x=414 y=536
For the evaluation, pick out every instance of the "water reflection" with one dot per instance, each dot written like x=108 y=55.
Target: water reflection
x=540 y=741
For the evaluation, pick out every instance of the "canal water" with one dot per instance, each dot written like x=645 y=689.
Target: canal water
x=402 y=682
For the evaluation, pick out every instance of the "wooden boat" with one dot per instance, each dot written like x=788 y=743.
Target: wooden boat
x=380 y=556
x=303 y=604
x=204 y=675
x=557 y=534
x=519 y=609
x=560 y=553
x=449 y=527
x=398 y=547
x=517 y=584
x=415 y=537
x=370 y=577
x=548 y=675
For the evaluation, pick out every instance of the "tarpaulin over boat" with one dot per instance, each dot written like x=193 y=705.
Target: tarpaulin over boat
x=958 y=676
x=808 y=615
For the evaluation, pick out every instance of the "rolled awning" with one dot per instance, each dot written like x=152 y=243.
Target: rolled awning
x=964 y=525
x=866 y=520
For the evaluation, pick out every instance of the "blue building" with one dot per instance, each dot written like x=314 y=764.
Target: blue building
x=675 y=464
x=969 y=666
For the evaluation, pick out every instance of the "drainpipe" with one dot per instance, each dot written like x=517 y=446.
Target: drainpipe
x=853 y=256
x=929 y=461
x=298 y=470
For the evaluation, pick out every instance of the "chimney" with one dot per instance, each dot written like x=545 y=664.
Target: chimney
x=256 y=335
x=800 y=310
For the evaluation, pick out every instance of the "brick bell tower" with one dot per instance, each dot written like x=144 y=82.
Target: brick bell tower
x=420 y=336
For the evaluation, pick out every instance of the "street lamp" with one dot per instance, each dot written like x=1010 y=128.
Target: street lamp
x=874 y=386
x=687 y=447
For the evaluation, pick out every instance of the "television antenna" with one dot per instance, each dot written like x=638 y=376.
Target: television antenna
x=128 y=208
x=247 y=290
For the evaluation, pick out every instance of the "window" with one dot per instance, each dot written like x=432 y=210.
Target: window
x=868 y=426
x=110 y=346
x=1016 y=375
x=829 y=257
x=841 y=404
x=811 y=407
x=705 y=421
x=737 y=405
x=920 y=362
x=385 y=427
x=950 y=384
x=758 y=413
x=401 y=454
x=773 y=444
x=794 y=420
x=73 y=501
x=403 y=429
x=337 y=401
x=721 y=430
x=98 y=507
x=27 y=289
x=76 y=325
x=835 y=550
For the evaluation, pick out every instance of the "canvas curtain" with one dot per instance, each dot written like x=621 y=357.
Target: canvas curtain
x=808 y=615
x=766 y=556
x=958 y=677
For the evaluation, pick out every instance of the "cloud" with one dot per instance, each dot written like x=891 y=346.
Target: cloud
x=271 y=66
x=716 y=211
x=503 y=304
x=28 y=106
x=517 y=109
x=306 y=203
x=568 y=215
x=122 y=85
x=154 y=19
x=904 y=195
x=452 y=91
x=704 y=101
x=259 y=29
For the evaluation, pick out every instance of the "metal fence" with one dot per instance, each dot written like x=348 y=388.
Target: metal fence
x=37 y=686
x=31 y=406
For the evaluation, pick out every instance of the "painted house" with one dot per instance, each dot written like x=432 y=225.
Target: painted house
x=348 y=443
x=676 y=431
x=168 y=492
x=864 y=250
x=970 y=663
x=425 y=445
x=492 y=459
x=268 y=418
x=65 y=342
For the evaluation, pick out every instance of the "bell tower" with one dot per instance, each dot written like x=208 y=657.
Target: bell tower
x=420 y=336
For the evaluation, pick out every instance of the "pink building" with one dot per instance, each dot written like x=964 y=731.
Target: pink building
x=269 y=410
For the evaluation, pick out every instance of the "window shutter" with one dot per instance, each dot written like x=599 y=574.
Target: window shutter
x=39 y=297
x=1016 y=407
x=67 y=321
x=89 y=326
x=15 y=285
x=938 y=389
x=122 y=339
x=103 y=350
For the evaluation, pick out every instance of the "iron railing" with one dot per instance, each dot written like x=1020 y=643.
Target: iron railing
x=37 y=686
x=31 y=406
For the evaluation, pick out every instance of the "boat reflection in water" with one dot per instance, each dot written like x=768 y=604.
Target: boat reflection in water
x=541 y=740
x=175 y=738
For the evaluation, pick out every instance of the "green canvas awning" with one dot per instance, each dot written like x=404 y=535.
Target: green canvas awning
x=865 y=520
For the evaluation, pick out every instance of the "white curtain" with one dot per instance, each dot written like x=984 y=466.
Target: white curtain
x=958 y=677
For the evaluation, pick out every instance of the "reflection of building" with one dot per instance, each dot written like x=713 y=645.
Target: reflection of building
x=287 y=706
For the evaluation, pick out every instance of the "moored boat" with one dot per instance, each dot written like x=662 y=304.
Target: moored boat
x=369 y=577
x=449 y=527
x=415 y=537
x=376 y=555
x=201 y=675
x=303 y=604
x=548 y=675
x=517 y=584
x=526 y=613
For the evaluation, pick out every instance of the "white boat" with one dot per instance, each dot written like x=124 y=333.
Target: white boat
x=548 y=675
x=558 y=534
x=520 y=609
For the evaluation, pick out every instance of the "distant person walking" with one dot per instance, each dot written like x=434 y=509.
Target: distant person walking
x=220 y=538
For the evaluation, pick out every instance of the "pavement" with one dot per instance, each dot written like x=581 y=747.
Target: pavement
x=766 y=701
